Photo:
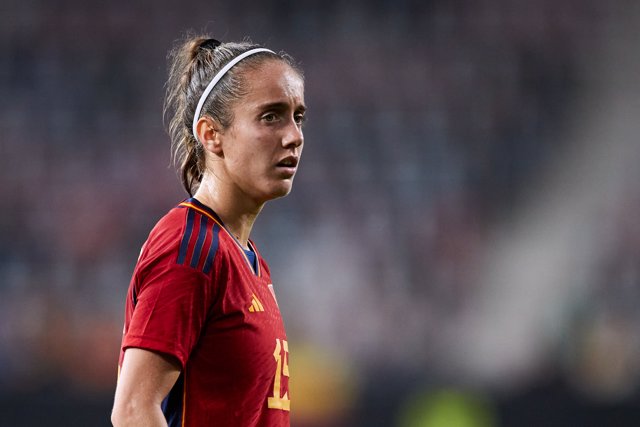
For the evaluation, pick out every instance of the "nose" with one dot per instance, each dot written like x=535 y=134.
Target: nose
x=293 y=136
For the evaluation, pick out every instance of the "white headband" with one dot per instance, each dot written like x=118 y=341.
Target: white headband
x=216 y=79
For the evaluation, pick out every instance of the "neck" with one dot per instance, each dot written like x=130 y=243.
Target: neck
x=237 y=211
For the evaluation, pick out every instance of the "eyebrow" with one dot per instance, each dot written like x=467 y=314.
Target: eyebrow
x=280 y=106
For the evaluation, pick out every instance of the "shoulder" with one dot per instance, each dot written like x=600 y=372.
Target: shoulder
x=199 y=240
x=187 y=236
x=168 y=231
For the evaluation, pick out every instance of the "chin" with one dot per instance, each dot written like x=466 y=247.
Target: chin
x=280 y=191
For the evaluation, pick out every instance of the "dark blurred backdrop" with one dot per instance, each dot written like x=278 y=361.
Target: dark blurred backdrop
x=462 y=245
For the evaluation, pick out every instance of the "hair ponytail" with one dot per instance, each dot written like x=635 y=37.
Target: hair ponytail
x=185 y=150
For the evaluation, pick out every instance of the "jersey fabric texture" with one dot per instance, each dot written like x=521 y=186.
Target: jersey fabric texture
x=196 y=297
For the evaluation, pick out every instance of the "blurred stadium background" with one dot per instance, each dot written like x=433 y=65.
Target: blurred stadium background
x=462 y=245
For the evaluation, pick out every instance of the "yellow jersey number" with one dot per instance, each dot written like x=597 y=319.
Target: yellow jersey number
x=281 y=354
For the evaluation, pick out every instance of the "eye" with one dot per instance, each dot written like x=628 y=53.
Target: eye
x=270 y=117
x=300 y=118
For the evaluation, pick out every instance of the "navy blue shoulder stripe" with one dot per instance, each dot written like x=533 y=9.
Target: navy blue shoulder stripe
x=212 y=249
x=197 y=250
x=184 y=245
x=193 y=256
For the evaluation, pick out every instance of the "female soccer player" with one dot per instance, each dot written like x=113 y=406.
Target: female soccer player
x=204 y=343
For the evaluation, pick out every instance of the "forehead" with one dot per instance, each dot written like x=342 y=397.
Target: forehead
x=273 y=81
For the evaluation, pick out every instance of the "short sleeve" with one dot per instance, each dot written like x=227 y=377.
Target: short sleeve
x=171 y=306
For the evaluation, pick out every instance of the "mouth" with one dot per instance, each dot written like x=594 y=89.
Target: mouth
x=288 y=165
x=288 y=162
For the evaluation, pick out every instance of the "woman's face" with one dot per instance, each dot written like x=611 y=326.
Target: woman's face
x=262 y=147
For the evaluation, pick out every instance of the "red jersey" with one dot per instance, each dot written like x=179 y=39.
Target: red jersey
x=195 y=295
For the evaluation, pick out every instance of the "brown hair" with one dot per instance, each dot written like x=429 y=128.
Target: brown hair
x=192 y=65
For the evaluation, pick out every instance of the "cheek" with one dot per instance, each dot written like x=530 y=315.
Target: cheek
x=249 y=161
x=250 y=153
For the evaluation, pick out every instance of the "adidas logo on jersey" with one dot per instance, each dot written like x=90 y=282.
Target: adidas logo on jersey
x=256 y=305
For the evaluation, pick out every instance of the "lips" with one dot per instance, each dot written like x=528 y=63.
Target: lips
x=288 y=162
x=287 y=166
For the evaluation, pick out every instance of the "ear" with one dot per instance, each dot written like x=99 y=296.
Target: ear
x=209 y=135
